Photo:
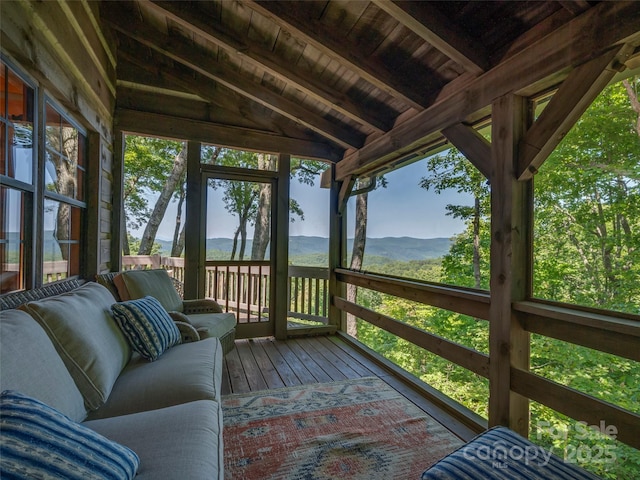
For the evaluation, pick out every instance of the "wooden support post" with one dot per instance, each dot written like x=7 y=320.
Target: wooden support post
x=117 y=212
x=194 y=254
x=94 y=210
x=510 y=265
x=279 y=304
x=337 y=247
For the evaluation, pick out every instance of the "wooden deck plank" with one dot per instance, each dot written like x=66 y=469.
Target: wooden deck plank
x=267 y=369
x=264 y=363
x=252 y=370
x=297 y=365
x=286 y=373
x=237 y=376
x=315 y=345
x=351 y=361
x=318 y=366
x=305 y=359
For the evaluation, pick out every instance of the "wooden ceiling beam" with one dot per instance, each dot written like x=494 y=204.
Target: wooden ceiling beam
x=185 y=53
x=346 y=53
x=472 y=145
x=207 y=132
x=426 y=21
x=269 y=61
x=565 y=108
x=595 y=31
x=132 y=68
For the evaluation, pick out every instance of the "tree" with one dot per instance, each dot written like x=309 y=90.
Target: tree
x=146 y=163
x=159 y=209
x=453 y=171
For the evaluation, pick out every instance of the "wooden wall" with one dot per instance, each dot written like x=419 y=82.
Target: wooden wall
x=71 y=58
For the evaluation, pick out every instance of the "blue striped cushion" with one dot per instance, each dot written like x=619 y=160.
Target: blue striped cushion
x=147 y=325
x=37 y=441
x=502 y=454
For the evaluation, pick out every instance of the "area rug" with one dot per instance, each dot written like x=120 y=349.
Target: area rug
x=356 y=429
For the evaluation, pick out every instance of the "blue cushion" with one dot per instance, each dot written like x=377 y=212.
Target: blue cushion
x=502 y=454
x=40 y=442
x=147 y=325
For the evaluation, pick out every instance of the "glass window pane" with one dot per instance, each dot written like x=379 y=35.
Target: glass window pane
x=226 y=157
x=3 y=89
x=12 y=240
x=65 y=148
x=20 y=152
x=16 y=133
x=62 y=240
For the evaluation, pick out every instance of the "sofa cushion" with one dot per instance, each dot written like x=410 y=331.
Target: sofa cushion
x=181 y=441
x=147 y=325
x=213 y=324
x=186 y=372
x=30 y=364
x=40 y=442
x=86 y=337
x=134 y=284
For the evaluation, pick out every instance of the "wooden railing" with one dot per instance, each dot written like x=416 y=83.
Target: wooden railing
x=617 y=334
x=243 y=287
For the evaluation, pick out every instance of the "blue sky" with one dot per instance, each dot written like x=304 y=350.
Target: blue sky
x=401 y=209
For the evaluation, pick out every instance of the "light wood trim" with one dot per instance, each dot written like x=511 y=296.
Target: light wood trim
x=577 y=405
x=466 y=357
x=566 y=107
x=472 y=145
x=185 y=53
x=609 y=334
x=267 y=60
x=326 y=41
x=459 y=300
x=345 y=190
x=429 y=23
x=566 y=47
x=223 y=135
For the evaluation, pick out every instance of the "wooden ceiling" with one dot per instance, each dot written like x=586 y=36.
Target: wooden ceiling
x=362 y=83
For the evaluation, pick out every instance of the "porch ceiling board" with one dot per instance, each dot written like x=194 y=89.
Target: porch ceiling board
x=375 y=81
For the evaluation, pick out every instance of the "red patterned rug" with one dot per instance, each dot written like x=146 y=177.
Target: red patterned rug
x=356 y=429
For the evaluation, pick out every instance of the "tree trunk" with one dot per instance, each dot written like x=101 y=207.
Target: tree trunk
x=357 y=256
x=261 y=232
x=125 y=240
x=476 y=242
x=150 y=231
x=176 y=246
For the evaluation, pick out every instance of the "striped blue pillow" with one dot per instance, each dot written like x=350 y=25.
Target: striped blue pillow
x=147 y=325
x=37 y=441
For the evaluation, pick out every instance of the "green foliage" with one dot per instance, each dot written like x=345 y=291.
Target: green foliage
x=586 y=252
x=134 y=245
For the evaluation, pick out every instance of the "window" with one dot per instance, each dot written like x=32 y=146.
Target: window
x=64 y=175
x=56 y=186
x=17 y=160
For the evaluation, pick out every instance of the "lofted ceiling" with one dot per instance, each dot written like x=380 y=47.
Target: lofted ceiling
x=362 y=83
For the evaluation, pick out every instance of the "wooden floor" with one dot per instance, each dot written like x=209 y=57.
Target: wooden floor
x=267 y=363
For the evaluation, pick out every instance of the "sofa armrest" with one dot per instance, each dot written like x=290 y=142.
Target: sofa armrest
x=188 y=332
x=202 y=305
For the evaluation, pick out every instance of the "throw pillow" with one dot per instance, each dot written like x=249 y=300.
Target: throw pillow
x=40 y=442
x=147 y=325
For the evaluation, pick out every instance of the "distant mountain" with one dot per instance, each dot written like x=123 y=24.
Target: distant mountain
x=393 y=248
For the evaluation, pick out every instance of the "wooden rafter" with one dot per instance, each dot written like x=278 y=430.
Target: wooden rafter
x=568 y=45
x=566 y=107
x=425 y=20
x=326 y=41
x=269 y=61
x=208 y=132
x=185 y=53
x=472 y=145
